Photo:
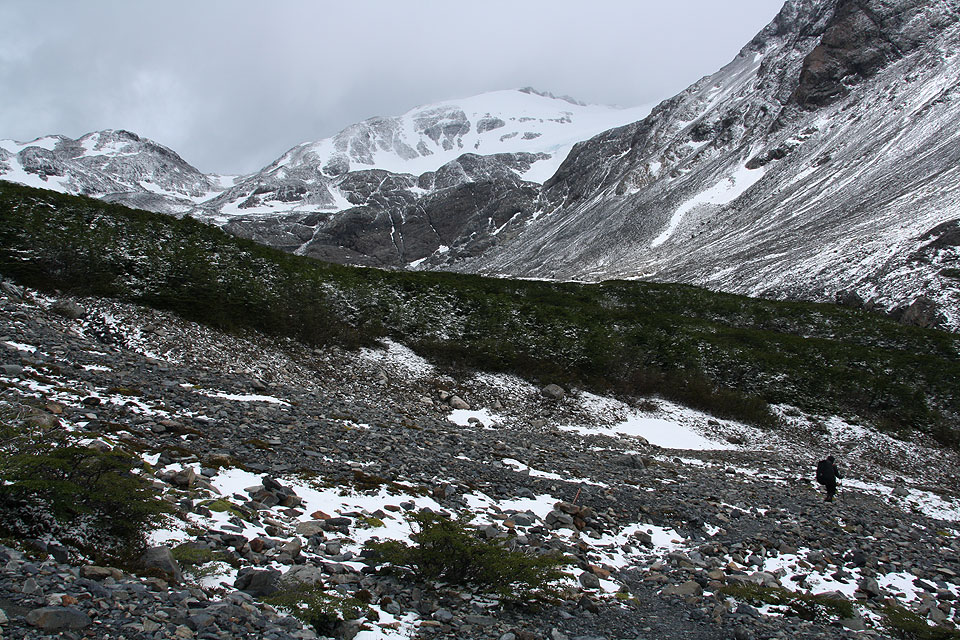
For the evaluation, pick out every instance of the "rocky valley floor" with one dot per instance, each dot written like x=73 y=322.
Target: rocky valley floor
x=283 y=461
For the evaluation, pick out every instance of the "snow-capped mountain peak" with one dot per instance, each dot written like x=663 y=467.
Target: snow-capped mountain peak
x=113 y=164
x=429 y=136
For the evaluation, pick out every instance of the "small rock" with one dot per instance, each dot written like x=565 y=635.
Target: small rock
x=302 y=574
x=94 y=572
x=688 y=588
x=309 y=528
x=183 y=631
x=588 y=604
x=869 y=586
x=11 y=370
x=185 y=478
x=589 y=580
x=854 y=624
x=443 y=615
x=349 y=629
x=12 y=290
x=332 y=548
x=293 y=547
x=258 y=583
x=99 y=445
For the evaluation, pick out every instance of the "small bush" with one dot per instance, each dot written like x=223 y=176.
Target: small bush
x=200 y=562
x=912 y=626
x=92 y=496
x=324 y=611
x=447 y=550
x=806 y=606
x=222 y=505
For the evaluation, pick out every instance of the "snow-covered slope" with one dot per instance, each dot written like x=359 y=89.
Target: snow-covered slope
x=823 y=162
x=114 y=165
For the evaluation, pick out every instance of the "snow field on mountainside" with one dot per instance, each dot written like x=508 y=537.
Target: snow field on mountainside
x=723 y=192
x=19 y=175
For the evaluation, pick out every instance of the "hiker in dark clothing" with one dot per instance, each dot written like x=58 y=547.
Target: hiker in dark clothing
x=827 y=474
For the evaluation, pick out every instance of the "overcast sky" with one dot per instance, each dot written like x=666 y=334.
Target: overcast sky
x=232 y=84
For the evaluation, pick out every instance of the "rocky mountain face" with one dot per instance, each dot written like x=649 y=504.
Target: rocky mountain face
x=447 y=180
x=117 y=166
x=820 y=163
x=395 y=220
x=281 y=462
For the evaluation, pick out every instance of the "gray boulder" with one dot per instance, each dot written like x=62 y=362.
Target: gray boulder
x=458 y=403
x=259 y=583
x=589 y=580
x=554 y=392
x=12 y=290
x=11 y=370
x=69 y=309
x=688 y=588
x=869 y=586
x=161 y=559
x=58 y=618
x=303 y=574
x=309 y=528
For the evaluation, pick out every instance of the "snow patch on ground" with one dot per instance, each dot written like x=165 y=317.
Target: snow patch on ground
x=243 y=397
x=463 y=417
x=399 y=358
x=522 y=468
x=673 y=432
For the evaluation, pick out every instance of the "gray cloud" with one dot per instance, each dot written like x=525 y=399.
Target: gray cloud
x=232 y=84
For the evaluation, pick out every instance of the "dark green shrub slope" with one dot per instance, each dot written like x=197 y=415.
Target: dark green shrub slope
x=727 y=354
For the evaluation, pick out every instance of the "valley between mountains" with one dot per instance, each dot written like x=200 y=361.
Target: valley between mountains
x=281 y=461
x=819 y=164
x=510 y=367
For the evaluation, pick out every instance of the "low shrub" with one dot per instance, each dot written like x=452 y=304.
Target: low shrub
x=905 y=624
x=201 y=562
x=93 y=497
x=806 y=606
x=325 y=611
x=448 y=550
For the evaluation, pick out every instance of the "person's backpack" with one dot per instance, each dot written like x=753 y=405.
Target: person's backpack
x=824 y=472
